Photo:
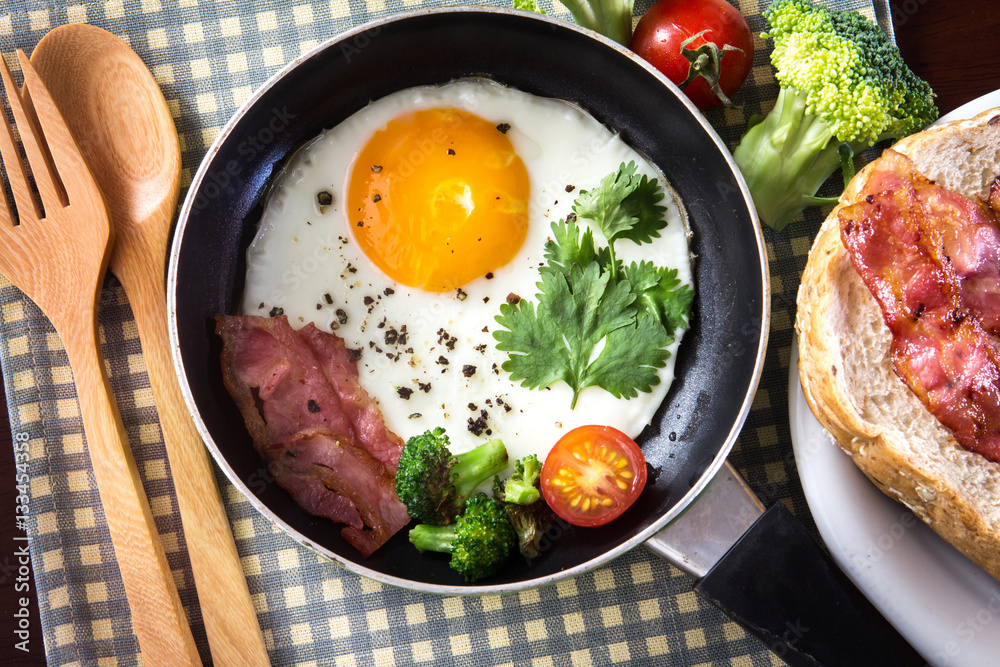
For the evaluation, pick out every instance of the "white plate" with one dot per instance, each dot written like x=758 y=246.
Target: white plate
x=944 y=605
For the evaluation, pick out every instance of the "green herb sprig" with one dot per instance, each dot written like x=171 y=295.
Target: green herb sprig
x=588 y=297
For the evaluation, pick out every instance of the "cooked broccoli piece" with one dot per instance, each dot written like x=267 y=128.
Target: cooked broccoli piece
x=479 y=541
x=530 y=523
x=521 y=488
x=433 y=483
x=841 y=81
x=529 y=514
x=611 y=18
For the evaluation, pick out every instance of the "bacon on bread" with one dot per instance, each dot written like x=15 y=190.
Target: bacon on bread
x=930 y=255
x=918 y=248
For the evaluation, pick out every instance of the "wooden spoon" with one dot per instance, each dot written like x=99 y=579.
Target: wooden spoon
x=120 y=119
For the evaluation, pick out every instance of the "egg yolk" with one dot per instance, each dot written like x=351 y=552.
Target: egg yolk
x=438 y=198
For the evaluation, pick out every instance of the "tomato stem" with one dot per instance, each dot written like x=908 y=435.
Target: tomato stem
x=706 y=62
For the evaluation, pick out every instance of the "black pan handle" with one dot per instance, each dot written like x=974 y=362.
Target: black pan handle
x=764 y=570
x=781 y=586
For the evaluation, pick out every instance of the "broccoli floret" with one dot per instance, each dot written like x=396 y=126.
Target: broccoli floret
x=528 y=513
x=611 y=18
x=433 y=483
x=528 y=6
x=530 y=523
x=841 y=81
x=479 y=541
x=521 y=488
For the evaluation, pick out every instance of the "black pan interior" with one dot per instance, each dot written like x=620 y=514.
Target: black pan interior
x=718 y=356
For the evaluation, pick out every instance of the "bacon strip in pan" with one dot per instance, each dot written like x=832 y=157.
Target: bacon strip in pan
x=321 y=434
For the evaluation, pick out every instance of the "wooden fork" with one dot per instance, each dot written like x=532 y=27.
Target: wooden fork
x=57 y=254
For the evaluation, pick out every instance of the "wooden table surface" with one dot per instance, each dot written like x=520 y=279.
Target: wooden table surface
x=953 y=44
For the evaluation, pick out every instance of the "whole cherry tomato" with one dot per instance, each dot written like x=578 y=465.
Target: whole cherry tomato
x=592 y=475
x=703 y=43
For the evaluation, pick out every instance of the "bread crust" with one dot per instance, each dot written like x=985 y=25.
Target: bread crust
x=848 y=379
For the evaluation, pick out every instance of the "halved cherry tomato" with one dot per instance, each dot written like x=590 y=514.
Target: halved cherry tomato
x=592 y=475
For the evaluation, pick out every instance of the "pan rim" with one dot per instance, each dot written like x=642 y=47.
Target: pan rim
x=530 y=583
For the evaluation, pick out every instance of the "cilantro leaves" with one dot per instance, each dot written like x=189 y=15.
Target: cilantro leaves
x=624 y=205
x=575 y=312
x=660 y=293
x=598 y=322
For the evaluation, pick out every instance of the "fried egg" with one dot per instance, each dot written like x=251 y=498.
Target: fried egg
x=406 y=226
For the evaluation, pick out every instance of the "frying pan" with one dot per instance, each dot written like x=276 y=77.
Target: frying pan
x=719 y=361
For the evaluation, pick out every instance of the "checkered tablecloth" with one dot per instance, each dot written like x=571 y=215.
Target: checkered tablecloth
x=208 y=57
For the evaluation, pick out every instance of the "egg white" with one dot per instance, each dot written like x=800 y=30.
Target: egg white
x=305 y=261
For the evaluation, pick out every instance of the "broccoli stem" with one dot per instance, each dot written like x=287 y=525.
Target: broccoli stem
x=475 y=466
x=786 y=158
x=520 y=493
x=433 y=538
x=611 y=18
